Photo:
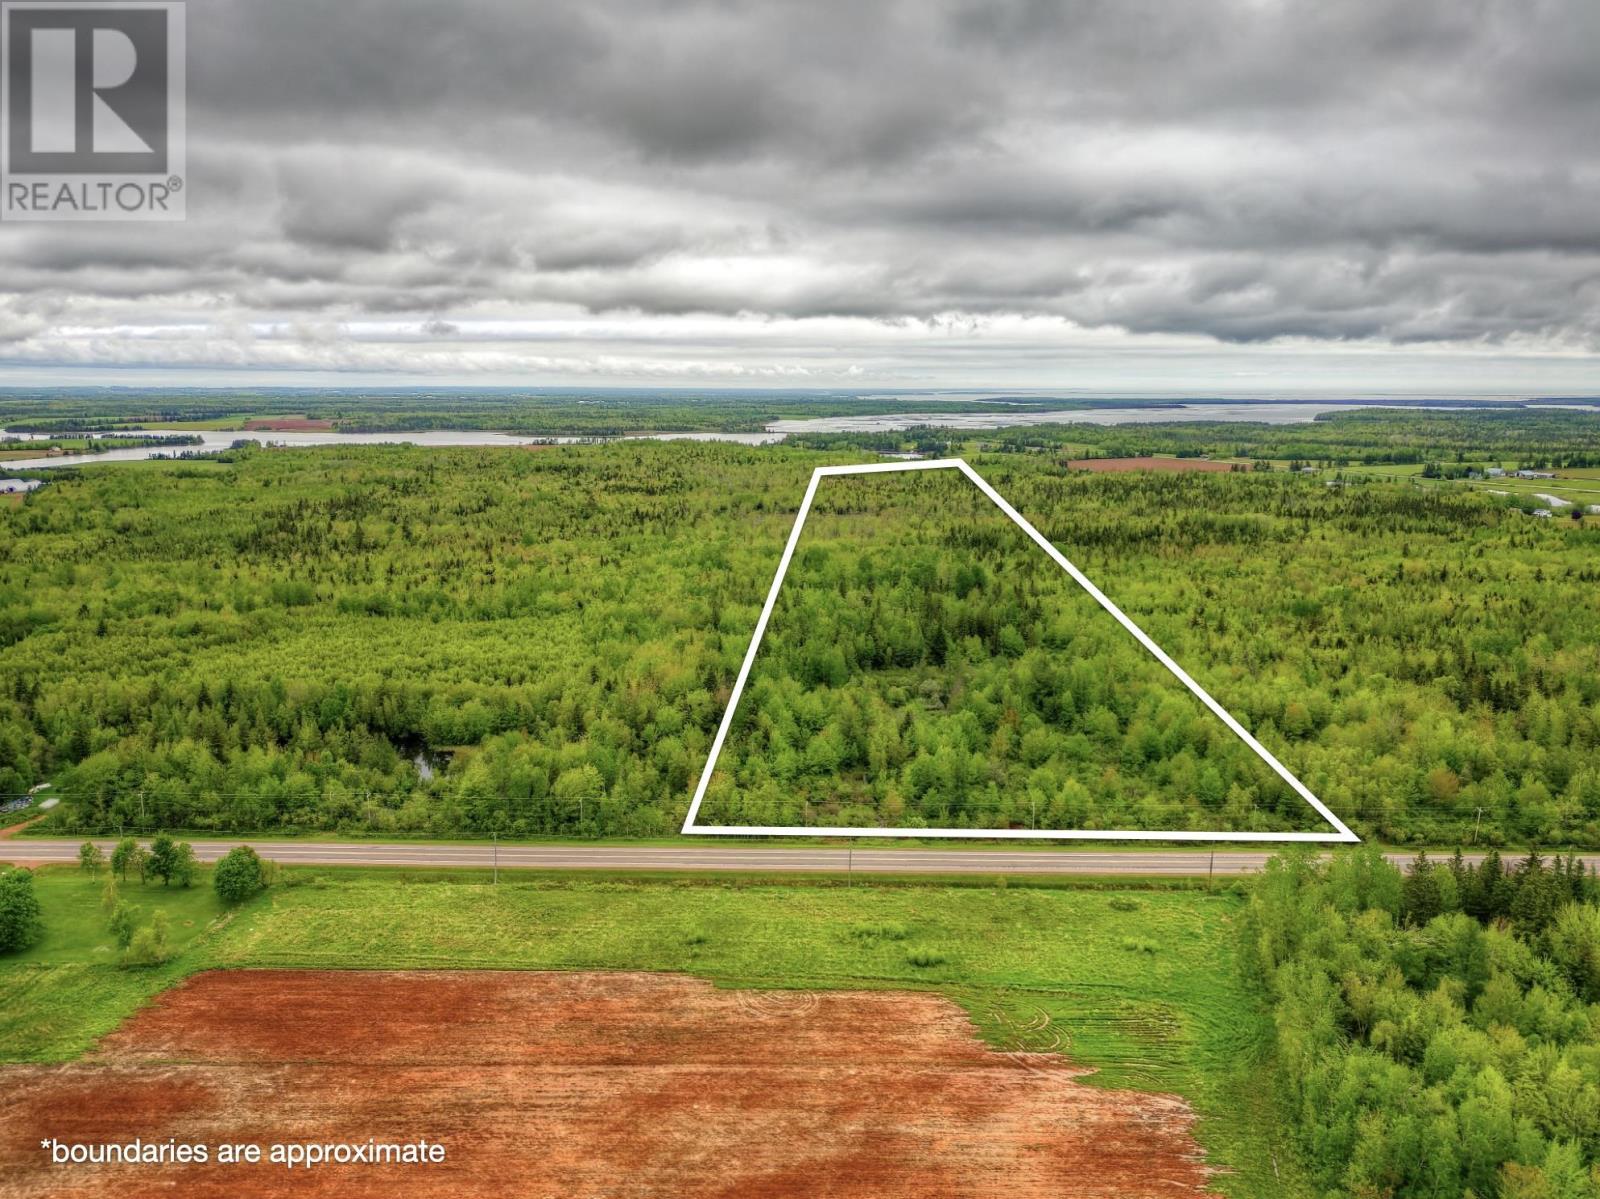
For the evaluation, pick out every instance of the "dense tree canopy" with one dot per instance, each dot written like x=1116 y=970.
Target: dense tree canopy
x=927 y=665
x=394 y=640
x=21 y=919
x=1437 y=1035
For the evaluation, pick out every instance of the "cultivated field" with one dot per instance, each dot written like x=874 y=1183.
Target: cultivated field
x=585 y=1084
x=1121 y=465
x=286 y=424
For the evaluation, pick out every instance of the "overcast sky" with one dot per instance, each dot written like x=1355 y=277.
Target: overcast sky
x=1117 y=195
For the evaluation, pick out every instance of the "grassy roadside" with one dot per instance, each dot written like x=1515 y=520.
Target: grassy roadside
x=47 y=830
x=43 y=829
x=1139 y=983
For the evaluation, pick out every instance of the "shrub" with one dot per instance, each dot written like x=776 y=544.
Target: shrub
x=20 y=922
x=1123 y=904
x=148 y=946
x=90 y=858
x=239 y=875
x=923 y=957
x=1140 y=945
x=123 y=919
x=880 y=930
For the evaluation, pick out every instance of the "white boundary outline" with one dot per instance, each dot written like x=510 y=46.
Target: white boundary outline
x=747 y=830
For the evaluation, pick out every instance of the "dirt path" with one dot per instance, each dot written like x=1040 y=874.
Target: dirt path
x=17 y=828
x=9 y=853
x=587 y=1085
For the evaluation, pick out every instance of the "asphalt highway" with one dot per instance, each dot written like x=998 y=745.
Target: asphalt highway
x=745 y=858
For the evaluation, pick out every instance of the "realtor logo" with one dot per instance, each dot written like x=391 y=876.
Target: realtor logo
x=91 y=111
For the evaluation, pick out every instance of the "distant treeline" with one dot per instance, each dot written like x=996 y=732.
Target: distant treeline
x=574 y=413
x=98 y=444
x=1533 y=438
x=1400 y=431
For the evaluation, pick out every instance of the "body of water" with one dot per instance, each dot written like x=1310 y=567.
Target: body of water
x=1269 y=414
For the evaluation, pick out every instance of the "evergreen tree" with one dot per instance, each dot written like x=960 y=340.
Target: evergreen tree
x=1420 y=899
x=1493 y=889
x=1538 y=894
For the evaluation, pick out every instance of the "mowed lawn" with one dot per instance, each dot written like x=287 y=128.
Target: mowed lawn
x=1140 y=984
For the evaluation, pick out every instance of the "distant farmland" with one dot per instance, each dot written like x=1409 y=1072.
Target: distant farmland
x=1119 y=465
x=286 y=424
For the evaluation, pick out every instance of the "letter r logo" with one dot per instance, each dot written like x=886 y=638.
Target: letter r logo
x=87 y=88
x=57 y=82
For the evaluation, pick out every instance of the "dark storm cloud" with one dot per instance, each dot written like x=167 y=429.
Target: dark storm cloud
x=1242 y=169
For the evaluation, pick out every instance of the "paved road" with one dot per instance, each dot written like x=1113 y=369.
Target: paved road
x=764 y=859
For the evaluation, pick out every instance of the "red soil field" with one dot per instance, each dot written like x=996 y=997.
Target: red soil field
x=286 y=424
x=1118 y=465
x=586 y=1085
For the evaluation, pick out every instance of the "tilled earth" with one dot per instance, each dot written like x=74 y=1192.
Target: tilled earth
x=585 y=1085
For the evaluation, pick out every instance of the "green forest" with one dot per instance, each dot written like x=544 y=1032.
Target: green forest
x=398 y=641
x=1533 y=437
x=1437 y=1031
x=99 y=443
x=927 y=665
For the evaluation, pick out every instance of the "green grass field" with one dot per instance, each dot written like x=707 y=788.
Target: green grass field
x=1140 y=984
x=216 y=424
x=1575 y=485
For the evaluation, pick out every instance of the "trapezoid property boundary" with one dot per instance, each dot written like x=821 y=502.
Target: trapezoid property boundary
x=1342 y=832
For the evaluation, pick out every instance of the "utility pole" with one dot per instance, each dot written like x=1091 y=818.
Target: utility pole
x=850 y=866
x=1477 y=826
x=497 y=859
x=1211 y=869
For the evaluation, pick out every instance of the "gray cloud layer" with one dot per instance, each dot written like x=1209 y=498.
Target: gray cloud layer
x=1243 y=170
